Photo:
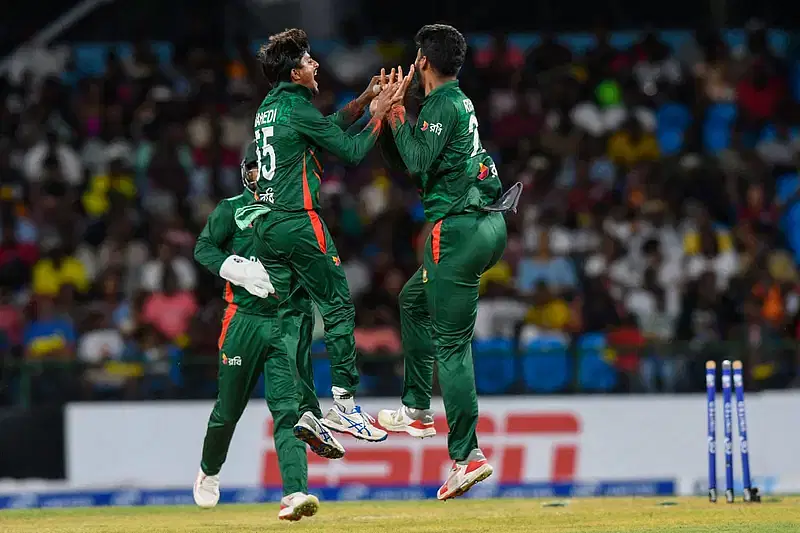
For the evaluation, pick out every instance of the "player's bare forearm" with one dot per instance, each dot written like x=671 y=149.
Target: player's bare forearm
x=350 y=113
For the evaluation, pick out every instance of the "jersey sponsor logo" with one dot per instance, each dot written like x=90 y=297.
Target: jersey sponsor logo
x=336 y=260
x=484 y=171
x=424 y=126
x=433 y=128
x=267 y=196
x=424 y=275
x=231 y=361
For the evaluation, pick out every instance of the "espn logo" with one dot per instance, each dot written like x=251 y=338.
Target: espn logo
x=402 y=460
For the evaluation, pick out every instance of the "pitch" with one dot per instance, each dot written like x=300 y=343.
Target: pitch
x=617 y=515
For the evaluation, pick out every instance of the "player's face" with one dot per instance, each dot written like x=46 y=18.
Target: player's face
x=252 y=177
x=420 y=68
x=306 y=73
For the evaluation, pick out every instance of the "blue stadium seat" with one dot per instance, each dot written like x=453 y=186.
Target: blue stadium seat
x=322 y=377
x=546 y=365
x=724 y=113
x=673 y=116
x=595 y=374
x=796 y=81
x=770 y=133
x=716 y=137
x=318 y=347
x=259 y=391
x=495 y=365
x=670 y=140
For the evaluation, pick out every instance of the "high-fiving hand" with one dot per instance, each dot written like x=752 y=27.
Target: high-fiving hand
x=392 y=90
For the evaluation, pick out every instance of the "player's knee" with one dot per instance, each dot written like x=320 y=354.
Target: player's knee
x=224 y=419
x=284 y=415
x=341 y=319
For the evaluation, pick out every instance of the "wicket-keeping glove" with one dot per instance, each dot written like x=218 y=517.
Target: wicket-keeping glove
x=248 y=274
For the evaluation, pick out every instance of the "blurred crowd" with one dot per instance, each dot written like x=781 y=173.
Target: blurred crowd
x=656 y=225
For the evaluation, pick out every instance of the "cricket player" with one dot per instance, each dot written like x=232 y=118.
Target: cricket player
x=252 y=342
x=290 y=238
x=462 y=196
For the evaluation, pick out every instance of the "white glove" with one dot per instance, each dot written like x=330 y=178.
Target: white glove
x=250 y=275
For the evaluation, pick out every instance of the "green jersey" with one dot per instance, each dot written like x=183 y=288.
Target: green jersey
x=288 y=132
x=220 y=239
x=444 y=154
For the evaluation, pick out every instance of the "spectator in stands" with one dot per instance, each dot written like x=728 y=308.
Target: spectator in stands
x=638 y=219
x=16 y=258
x=549 y=316
x=48 y=336
x=155 y=270
x=57 y=268
x=557 y=273
x=51 y=153
x=101 y=349
x=170 y=307
x=632 y=145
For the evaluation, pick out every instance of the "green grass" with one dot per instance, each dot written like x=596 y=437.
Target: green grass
x=618 y=515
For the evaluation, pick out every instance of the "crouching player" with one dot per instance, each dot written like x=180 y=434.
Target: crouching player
x=251 y=343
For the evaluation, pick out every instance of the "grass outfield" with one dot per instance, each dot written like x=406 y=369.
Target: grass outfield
x=617 y=515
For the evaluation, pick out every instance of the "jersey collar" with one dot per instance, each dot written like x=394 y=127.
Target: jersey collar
x=441 y=88
x=290 y=87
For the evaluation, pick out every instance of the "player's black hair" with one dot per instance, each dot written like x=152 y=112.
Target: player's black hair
x=444 y=46
x=282 y=53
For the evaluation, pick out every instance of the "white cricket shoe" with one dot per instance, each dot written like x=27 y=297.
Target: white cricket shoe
x=296 y=506
x=206 y=490
x=464 y=474
x=309 y=430
x=415 y=422
x=353 y=421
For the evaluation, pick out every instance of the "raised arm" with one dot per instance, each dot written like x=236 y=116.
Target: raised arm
x=349 y=114
x=354 y=109
x=419 y=146
x=321 y=131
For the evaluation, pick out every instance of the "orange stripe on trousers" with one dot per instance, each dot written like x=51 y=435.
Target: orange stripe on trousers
x=307 y=201
x=319 y=231
x=230 y=311
x=436 y=238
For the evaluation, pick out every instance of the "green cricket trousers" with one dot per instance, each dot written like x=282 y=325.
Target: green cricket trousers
x=297 y=249
x=250 y=344
x=438 y=306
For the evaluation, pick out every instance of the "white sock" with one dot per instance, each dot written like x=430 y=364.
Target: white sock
x=343 y=399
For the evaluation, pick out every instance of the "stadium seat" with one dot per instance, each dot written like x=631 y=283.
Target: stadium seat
x=721 y=113
x=716 y=137
x=546 y=365
x=796 y=81
x=494 y=365
x=260 y=388
x=673 y=116
x=322 y=377
x=595 y=373
x=670 y=140
x=318 y=347
x=770 y=133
